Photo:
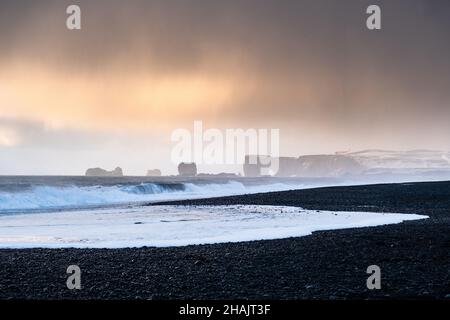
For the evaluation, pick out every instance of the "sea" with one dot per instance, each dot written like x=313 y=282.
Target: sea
x=122 y=212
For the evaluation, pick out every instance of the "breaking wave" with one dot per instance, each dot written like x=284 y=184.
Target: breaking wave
x=67 y=197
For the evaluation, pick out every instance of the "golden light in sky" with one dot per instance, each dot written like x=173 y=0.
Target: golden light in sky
x=111 y=100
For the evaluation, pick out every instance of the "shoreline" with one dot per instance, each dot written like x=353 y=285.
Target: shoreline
x=413 y=256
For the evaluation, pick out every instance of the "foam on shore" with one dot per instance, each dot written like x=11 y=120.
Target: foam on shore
x=164 y=226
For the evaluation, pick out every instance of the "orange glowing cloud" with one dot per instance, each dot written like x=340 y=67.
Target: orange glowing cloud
x=109 y=101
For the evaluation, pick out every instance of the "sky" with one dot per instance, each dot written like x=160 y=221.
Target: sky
x=112 y=93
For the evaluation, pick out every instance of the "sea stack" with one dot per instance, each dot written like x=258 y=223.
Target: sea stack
x=187 y=169
x=99 y=172
x=154 y=173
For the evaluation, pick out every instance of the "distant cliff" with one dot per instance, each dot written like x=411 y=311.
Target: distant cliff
x=371 y=161
x=412 y=159
x=306 y=166
x=328 y=166
x=252 y=165
x=99 y=172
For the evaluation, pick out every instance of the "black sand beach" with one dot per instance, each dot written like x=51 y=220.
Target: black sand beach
x=414 y=257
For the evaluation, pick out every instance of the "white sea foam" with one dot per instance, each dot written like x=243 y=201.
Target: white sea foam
x=163 y=226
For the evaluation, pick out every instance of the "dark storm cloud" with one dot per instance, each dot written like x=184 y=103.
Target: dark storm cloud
x=178 y=33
